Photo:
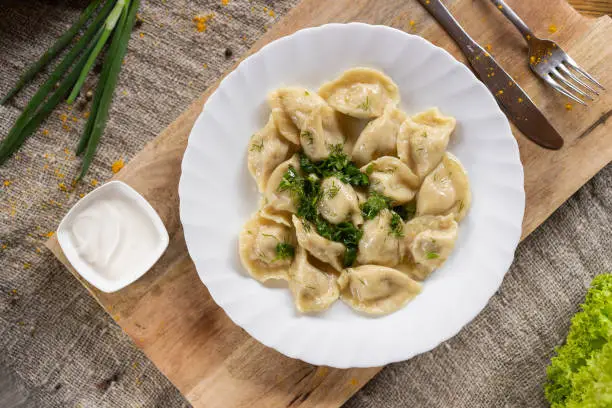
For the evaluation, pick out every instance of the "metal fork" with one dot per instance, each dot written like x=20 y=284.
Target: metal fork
x=551 y=63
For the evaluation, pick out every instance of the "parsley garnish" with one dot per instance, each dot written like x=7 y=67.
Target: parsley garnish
x=337 y=165
x=332 y=191
x=375 y=203
x=406 y=211
x=370 y=169
x=396 y=225
x=284 y=250
x=432 y=255
x=307 y=134
x=257 y=147
x=365 y=105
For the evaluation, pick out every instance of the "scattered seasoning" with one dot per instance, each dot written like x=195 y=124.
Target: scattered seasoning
x=532 y=59
x=38 y=250
x=520 y=100
x=500 y=7
x=528 y=37
x=412 y=23
x=141 y=35
x=62 y=186
x=86 y=115
x=50 y=234
x=552 y=28
x=354 y=381
x=205 y=65
x=201 y=22
x=7 y=183
x=500 y=92
x=81 y=195
x=26 y=265
x=489 y=47
x=228 y=53
x=117 y=165
x=45 y=132
x=271 y=13
x=224 y=2
x=569 y=106
x=94 y=182
x=63 y=117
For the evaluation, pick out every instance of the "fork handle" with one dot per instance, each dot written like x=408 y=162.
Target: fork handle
x=514 y=18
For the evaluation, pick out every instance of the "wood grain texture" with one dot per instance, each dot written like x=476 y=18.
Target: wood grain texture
x=214 y=363
x=593 y=7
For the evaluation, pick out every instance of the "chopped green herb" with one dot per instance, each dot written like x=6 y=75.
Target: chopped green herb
x=284 y=250
x=332 y=191
x=370 y=169
x=337 y=165
x=424 y=135
x=432 y=255
x=461 y=205
x=257 y=147
x=306 y=93
x=291 y=181
x=396 y=225
x=365 y=105
x=375 y=203
x=406 y=211
x=307 y=134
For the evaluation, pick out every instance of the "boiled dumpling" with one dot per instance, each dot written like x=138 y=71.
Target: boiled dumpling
x=279 y=204
x=429 y=241
x=361 y=93
x=379 y=244
x=321 y=248
x=376 y=289
x=339 y=202
x=267 y=150
x=304 y=118
x=422 y=140
x=446 y=190
x=392 y=178
x=379 y=138
x=266 y=248
x=313 y=289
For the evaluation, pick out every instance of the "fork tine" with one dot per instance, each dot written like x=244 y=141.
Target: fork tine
x=567 y=72
x=567 y=83
x=560 y=89
x=575 y=66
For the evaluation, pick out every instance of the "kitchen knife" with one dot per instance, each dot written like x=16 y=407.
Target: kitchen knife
x=512 y=99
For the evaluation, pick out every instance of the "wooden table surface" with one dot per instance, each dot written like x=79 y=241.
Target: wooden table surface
x=592 y=7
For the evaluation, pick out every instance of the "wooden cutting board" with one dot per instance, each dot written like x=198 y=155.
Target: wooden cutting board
x=214 y=363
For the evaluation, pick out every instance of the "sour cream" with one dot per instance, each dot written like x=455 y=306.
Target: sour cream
x=112 y=236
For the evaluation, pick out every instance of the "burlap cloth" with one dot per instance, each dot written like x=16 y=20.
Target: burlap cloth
x=58 y=348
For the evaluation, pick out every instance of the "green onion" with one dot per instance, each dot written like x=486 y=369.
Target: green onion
x=49 y=105
x=109 y=26
x=13 y=136
x=59 y=45
x=114 y=61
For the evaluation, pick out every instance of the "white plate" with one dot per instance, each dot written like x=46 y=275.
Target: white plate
x=217 y=195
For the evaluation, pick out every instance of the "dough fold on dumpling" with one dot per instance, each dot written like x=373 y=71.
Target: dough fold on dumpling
x=429 y=240
x=379 y=244
x=313 y=289
x=339 y=202
x=422 y=140
x=304 y=118
x=321 y=248
x=267 y=149
x=376 y=289
x=280 y=204
x=445 y=190
x=392 y=178
x=361 y=93
x=379 y=138
x=258 y=247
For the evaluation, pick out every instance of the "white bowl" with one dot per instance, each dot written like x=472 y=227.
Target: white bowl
x=116 y=190
x=217 y=195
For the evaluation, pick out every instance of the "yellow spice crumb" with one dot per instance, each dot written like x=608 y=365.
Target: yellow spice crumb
x=202 y=21
x=26 y=265
x=205 y=66
x=532 y=59
x=94 y=182
x=117 y=165
x=520 y=100
x=528 y=37
x=354 y=381
x=74 y=119
x=62 y=186
x=224 y=2
x=552 y=28
x=500 y=92
x=81 y=195
x=488 y=47
x=50 y=234
x=4 y=247
x=65 y=126
x=500 y=7
x=63 y=117
x=412 y=23
x=45 y=132
x=271 y=13
x=569 y=106
x=141 y=35
x=7 y=183
x=86 y=115
x=38 y=250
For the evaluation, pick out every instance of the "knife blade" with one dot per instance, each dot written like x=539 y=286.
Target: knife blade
x=509 y=95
